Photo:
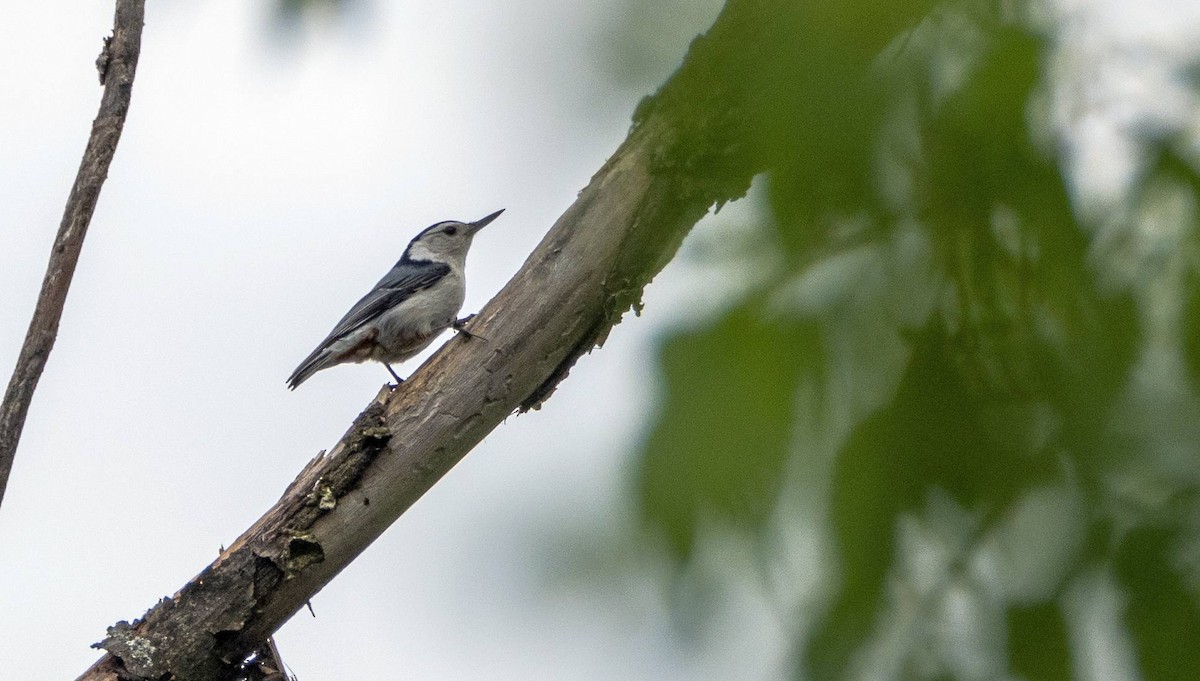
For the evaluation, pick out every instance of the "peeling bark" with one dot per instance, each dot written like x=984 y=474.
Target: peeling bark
x=196 y=633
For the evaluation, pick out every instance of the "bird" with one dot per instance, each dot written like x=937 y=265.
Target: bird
x=412 y=304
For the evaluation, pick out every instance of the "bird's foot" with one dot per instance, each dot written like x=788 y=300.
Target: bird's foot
x=394 y=375
x=460 y=325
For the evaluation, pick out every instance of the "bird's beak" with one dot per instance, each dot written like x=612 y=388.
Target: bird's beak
x=484 y=221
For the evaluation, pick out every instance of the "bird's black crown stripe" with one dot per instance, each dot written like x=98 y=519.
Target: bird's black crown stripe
x=431 y=228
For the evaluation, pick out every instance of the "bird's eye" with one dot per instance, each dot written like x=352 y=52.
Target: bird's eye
x=451 y=230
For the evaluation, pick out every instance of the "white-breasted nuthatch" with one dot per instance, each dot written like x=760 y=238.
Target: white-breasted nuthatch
x=414 y=302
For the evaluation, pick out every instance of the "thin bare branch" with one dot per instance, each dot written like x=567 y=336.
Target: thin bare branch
x=117 y=64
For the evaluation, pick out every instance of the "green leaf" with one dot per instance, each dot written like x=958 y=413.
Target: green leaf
x=717 y=449
x=1162 y=612
x=1038 y=644
x=938 y=433
x=821 y=109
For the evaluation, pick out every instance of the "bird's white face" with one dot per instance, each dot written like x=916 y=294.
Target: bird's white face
x=447 y=241
x=444 y=242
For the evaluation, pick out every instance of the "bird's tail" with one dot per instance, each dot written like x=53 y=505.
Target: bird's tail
x=321 y=358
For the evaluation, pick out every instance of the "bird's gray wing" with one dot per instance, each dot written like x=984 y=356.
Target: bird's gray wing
x=401 y=282
x=405 y=279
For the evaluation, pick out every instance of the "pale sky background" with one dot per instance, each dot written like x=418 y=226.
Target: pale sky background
x=262 y=185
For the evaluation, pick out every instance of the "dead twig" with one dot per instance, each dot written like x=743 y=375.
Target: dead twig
x=117 y=64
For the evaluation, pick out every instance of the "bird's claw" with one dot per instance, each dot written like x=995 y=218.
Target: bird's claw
x=460 y=325
x=394 y=375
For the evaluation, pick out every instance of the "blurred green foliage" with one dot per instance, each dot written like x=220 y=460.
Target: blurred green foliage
x=736 y=369
x=985 y=401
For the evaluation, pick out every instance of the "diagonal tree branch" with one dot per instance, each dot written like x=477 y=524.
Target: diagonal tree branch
x=687 y=151
x=117 y=65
